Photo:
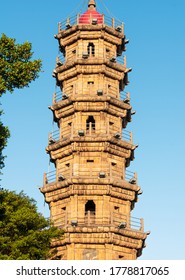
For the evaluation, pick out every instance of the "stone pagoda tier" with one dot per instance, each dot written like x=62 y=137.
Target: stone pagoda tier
x=91 y=193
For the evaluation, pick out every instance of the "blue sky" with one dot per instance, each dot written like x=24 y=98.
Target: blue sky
x=156 y=53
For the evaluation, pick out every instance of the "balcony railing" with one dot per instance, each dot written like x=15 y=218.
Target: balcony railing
x=50 y=177
x=87 y=171
x=95 y=56
x=68 y=133
x=71 y=131
x=106 y=20
x=91 y=219
x=107 y=90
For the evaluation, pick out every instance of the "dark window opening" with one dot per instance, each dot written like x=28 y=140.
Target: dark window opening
x=90 y=211
x=91 y=49
x=90 y=206
x=116 y=208
x=90 y=124
x=120 y=257
x=109 y=89
x=63 y=209
x=90 y=160
x=72 y=89
x=107 y=53
x=91 y=86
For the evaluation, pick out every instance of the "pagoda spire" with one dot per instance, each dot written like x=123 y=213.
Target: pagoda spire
x=91 y=193
x=92 y=5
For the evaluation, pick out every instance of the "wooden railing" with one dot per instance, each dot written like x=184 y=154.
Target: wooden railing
x=84 y=171
x=109 y=91
x=90 y=218
x=106 y=20
x=97 y=54
x=73 y=131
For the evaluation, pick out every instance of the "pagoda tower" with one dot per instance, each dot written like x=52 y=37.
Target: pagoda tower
x=91 y=193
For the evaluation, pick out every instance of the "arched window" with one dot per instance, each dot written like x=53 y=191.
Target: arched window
x=91 y=49
x=90 y=206
x=90 y=124
x=90 y=87
x=90 y=211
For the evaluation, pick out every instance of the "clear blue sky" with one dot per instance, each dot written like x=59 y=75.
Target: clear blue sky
x=156 y=52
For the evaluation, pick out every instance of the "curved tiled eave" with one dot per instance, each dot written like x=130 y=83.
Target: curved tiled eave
x=128 y=238
x=118 y=147
x=94 y=31
x=90 y=66
x=91 y=181
x=88 y=98
x=68 y=107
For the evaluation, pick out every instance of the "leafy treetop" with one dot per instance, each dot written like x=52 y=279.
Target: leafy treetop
x=24 y=233
x=17 y=69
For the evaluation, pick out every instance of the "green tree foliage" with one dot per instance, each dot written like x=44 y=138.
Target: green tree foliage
x=17 y=70
x=24 y=233
x=4 y=135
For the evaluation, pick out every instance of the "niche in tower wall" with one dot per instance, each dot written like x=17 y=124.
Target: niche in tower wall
x=90 y=212
x=91 y=49
x=90 y=125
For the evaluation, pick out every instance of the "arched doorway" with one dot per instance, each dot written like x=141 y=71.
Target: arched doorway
x=90 y=212
x=91 y=49
x=90 y=125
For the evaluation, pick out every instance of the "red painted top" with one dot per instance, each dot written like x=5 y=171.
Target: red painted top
x=90 y=14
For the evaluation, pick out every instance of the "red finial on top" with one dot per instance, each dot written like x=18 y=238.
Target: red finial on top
x=91 y=14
